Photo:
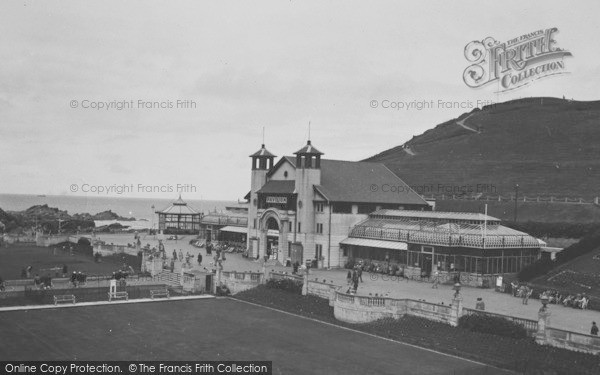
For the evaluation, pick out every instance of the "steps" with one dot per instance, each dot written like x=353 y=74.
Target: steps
x=169 y=278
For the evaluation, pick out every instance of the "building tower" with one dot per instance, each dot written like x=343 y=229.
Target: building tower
x=262 y=162
x=308 y=174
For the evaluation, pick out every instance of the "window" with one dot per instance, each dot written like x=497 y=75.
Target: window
x=345 y=251
x=299 y=227
x=342 y=208
x=319 y=207
x=366 y=208
x=318 y=251
x=319 y=228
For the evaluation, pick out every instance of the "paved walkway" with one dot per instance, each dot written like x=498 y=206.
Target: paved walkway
x=501 y=303
x=566 y=318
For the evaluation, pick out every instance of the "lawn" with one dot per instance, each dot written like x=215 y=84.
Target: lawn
x=45 y=261
x=216 y=329
x=522 y=355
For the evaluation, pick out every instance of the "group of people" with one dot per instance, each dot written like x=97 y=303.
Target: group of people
x=522 y=291
x=43 y=282
x=579 y=301
x=78 y=278
x=353 y=278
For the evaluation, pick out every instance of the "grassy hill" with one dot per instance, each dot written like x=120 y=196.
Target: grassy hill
x=548 y=146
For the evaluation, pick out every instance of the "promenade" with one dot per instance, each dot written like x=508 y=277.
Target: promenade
x=565 y=318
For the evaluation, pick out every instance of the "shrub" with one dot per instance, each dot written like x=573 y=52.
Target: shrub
x=292 y=286
x=223 y=290
x=492 y=325
x=538 y=268
x=587 y=244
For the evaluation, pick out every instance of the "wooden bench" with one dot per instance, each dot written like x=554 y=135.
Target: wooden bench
x=64 y=298
x=117 y=295
x=159 y=293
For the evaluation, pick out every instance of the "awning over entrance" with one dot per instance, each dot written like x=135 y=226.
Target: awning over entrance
x=365 y=242
x=234 y=229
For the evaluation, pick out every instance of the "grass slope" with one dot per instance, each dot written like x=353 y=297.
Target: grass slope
x=549 y=149
x=220 y=329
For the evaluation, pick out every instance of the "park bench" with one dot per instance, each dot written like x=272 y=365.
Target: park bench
x=159 y=293
x=64 y=298
x=117 y=295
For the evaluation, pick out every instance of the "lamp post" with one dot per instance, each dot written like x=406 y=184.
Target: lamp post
x=516 y=198
x=153 y=222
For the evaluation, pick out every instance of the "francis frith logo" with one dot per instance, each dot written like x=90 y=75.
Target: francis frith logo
x=514 y=63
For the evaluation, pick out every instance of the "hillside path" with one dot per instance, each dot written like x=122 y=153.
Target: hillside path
x=462 y=123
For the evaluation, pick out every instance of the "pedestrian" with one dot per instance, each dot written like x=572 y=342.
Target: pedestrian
x=436 y=280
x=355 y=277
x=180 y=255
x=594 y=330
x=355 y=285
x=360 y=274
x=479 y=305
x=349 y=278
x=174 y=255
x=529 y=292
x=172 y=265
x=199 y=258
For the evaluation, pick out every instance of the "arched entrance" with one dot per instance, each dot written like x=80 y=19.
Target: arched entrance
x=272 y=238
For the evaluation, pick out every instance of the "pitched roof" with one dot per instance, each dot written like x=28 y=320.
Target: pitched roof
x=179 y=207
x=308 y=149
x=262 y=152
x=278 y=187
x=360 y=182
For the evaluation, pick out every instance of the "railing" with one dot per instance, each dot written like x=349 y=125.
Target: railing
x=530 y=325
x=511 y=198
x=224 y=220
x=281 y=275
x=370 y=301
x=445 y=239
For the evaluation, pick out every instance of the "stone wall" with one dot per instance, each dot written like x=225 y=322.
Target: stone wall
x=359 y=309
x=240 y=281
x=572 y=341
x=323 y=289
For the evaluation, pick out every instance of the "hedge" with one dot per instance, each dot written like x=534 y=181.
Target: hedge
x=492 y=325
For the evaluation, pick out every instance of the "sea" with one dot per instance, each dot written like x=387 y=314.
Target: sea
x=138 y=208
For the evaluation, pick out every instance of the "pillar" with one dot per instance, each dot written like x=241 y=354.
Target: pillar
x=457 y=307
x=305 y=284
x=543 y=321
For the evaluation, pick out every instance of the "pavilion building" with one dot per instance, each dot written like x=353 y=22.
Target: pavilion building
x=179 y=218
x=331 y=212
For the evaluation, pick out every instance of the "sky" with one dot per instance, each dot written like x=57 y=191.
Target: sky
x=216 y=73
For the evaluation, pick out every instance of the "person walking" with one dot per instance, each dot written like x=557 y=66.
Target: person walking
x=174 y=255
x=199 y=258
x=594 y=330
x=359 y=271
x=180 y=255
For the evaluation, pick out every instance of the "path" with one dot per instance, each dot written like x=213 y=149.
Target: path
x=462 y=123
